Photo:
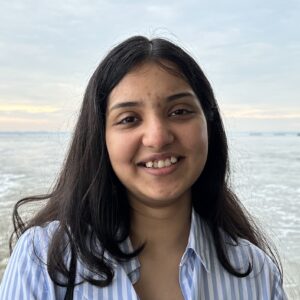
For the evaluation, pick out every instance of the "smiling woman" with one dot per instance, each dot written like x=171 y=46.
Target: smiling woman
x=165 y=133
x=142 y=208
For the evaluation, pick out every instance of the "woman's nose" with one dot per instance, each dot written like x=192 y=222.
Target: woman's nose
x=157 y=134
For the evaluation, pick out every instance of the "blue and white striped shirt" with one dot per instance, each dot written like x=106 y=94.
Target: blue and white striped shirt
x=201 y=276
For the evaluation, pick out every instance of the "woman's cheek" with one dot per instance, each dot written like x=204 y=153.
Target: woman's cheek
x=121 y=148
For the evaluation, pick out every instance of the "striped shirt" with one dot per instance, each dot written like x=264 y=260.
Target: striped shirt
x=201 y=276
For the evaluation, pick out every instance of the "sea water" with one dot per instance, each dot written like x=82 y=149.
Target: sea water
x=265 y=173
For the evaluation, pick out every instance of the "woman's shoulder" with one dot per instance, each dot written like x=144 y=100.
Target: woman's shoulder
x=243 y=253
x=239 y=251
x=37 y=238
x=44 y=230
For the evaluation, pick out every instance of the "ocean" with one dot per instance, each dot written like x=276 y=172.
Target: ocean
x=265 y=173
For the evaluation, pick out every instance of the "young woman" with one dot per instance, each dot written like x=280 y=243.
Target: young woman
x=142 y=208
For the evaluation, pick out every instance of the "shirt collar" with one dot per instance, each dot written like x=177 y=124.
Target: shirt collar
x=200 y=240
x=132 y=266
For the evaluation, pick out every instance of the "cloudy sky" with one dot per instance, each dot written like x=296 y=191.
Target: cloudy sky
x=250 y=51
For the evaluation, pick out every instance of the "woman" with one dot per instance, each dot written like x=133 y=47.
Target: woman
x=142 y=208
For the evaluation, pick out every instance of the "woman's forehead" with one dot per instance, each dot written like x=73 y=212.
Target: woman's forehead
x=162 y=64
x=150 y=78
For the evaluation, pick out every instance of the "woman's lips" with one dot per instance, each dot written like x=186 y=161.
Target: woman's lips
x=161 y=163
x=162 y=171
x=159 y=157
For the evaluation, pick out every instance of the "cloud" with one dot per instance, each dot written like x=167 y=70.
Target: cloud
x=249 y=51
x=22 y=121
x=27 y=108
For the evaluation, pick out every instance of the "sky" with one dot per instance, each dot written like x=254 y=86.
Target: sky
x=249 y=50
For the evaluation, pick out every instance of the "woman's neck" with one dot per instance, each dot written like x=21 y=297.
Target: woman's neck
x=164 y=229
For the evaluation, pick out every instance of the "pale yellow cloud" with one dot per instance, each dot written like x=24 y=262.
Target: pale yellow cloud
x=10 y=123
x=13 y=120
x=28 y=108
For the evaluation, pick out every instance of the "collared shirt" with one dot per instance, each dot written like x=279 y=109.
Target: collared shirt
x=201 y=276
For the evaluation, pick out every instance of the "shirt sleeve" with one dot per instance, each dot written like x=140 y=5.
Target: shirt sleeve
x=24 y=277
x=278 y=292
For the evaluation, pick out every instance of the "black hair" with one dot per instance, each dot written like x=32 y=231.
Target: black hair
x=91 y=204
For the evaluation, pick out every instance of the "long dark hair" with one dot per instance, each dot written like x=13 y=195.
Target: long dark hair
x=91 y=204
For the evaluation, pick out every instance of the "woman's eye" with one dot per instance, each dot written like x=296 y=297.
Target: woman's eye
x=179 y=112
x=128 y=120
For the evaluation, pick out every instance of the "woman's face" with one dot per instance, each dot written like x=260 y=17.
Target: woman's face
x=156 y=135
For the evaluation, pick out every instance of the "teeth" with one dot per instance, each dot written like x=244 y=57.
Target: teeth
x=168 y=162
x=149 y=164
x=173 y=159
x=157 y=164
x=160 y=164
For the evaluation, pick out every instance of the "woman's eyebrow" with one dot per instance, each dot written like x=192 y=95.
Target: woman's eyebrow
x=134 y=103
x=180 y=95
x=125 y=104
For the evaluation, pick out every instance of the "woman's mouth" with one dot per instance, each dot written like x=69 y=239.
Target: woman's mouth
x=161 y=163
